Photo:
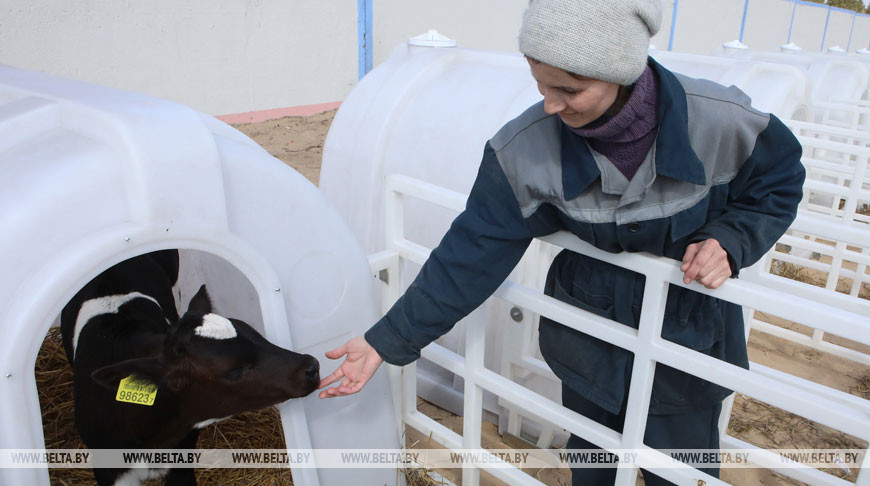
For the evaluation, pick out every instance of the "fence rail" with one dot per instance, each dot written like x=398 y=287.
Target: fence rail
x=820 y=404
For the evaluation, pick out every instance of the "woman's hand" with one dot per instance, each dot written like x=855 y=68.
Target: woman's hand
x=361 y=363
x=707 y=262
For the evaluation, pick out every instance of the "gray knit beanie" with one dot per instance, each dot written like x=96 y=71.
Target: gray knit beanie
x=599 y=39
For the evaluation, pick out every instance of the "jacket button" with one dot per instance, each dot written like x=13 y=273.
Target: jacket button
x=634 y=227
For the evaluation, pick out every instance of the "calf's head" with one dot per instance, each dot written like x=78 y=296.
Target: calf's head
x=217 y=367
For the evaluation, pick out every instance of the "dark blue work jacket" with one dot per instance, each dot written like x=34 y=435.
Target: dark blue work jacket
x=718 y=169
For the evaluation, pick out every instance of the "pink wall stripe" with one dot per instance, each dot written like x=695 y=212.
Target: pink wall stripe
x=258 y=116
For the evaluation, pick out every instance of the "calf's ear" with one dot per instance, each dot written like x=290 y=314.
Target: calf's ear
x=147 y=368
x=200 y=303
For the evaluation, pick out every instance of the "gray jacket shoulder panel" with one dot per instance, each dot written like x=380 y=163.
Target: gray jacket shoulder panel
x=723 y=126
x=516 y=127
x=528 y=149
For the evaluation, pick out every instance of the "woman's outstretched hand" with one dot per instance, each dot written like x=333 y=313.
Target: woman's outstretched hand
x=359 y=366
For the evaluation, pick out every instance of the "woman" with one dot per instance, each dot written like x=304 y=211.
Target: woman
x=628 y=156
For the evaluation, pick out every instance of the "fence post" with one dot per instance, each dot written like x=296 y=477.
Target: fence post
x=364 y=36
x=475 y=339
x=825 y=33
x=743 y=22
x=791 y=25
x=649 y=329
x=851 y=30
x=673 y=25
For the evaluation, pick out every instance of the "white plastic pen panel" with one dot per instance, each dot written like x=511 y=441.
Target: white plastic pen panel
x=817 y=403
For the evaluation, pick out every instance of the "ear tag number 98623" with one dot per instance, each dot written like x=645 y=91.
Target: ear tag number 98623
x=138 y=391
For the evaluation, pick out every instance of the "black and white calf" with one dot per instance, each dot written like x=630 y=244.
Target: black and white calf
x=206 y=367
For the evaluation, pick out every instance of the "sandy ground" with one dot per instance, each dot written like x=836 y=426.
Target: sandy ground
x=298 y=141
x=295 y=140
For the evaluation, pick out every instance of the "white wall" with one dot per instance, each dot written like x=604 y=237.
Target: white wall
x=838 y=29
x=235 y=56
x=767 y=23
x=660 y=40
x=861 y=34
x=480 y=24
x=702 y=26
x=809 y=25
x=218 y=56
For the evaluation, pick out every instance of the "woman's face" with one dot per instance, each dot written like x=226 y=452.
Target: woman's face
x=577 y=100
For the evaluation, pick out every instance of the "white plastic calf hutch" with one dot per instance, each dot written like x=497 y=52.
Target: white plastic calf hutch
x=93 y=176
x=779 y=89
x=406 y=144
x=393 y=123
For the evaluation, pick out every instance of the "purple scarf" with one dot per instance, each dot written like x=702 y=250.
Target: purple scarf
x=626 y=138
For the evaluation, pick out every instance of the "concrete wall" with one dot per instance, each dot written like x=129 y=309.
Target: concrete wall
x=480 y=24
x=861 y=34
x=660 y=40
x=702 y=26
x=218 y=56
x=838 y=29
x=767 y=24
x=236 y=56
x=809 y=26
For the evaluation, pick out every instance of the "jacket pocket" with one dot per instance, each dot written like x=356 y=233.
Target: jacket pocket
x=585 y=298
x=594 y=368
x=692 y=319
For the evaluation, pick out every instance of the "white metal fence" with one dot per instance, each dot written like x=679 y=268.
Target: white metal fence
x=820 y=404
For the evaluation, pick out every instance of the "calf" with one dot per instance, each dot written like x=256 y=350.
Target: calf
x=205 y=367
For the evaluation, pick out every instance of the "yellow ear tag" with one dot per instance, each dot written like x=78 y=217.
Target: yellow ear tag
x=140 y=392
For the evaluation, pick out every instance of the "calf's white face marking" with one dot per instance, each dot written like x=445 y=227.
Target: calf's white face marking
x=102 y=305
x=215 y=327
x=135 y=476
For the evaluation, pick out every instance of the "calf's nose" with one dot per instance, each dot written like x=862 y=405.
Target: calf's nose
x=312 y=371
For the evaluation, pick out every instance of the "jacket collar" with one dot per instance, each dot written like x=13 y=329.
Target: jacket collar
x=674 y=156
